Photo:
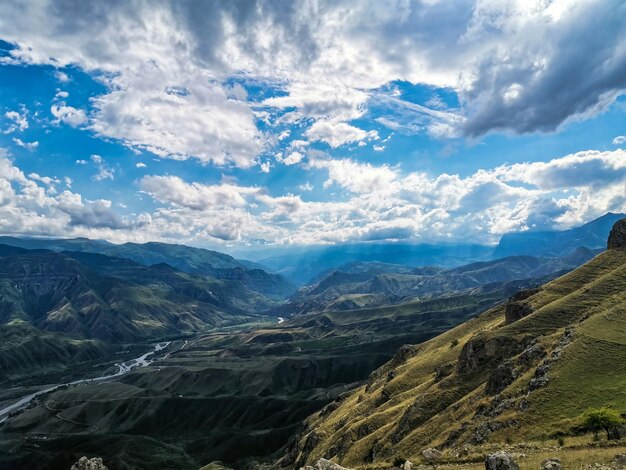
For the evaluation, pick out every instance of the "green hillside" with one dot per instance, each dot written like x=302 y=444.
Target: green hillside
x=85 y=295
x=523 y=371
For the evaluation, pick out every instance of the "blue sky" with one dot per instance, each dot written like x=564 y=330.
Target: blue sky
x=255 y=123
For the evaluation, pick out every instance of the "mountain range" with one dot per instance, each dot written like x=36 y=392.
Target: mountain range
x=304 y=266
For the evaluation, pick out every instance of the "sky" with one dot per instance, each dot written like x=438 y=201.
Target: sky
x=243 y=124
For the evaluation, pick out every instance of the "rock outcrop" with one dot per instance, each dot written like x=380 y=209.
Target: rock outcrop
x=94 y=463
x=552 y=464
x=431 y=455
x=504 y=375
x=323 y=464
x=515 y=309
x=500 y=461
x=617 y=237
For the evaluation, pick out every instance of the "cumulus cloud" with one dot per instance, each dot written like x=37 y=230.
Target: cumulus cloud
x=105 y=172
x=17 y=121
x=68 y=115
x=169 y=66
x=337 y=134
x=619 y=140
x=29 y=209
x=27 y=145
x=378 y=203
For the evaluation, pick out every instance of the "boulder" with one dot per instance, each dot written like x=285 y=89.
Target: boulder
x=500 y=461
x=431 y=455
x=617 y=237
x=89 y=464
x=552 y=464
x=408 y=465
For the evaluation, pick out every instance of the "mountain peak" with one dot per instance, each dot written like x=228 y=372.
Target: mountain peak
x=617 y=237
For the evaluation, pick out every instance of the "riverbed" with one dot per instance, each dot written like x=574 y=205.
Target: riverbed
x=122 y=368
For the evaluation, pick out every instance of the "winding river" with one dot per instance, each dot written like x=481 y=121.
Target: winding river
x=122 y=368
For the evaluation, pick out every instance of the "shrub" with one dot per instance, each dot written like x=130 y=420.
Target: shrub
x=601 y=419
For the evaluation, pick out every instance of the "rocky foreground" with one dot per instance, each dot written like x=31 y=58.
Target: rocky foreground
x=497 y=461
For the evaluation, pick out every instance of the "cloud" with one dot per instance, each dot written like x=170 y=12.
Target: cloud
x=379 y=203
x=523 y=83
x=104 y=171
x=356 y=177
x=18 y=122
x=337 y=134
x=141 y=165
x=619 y=140
x=27 y=145
x=293 y=158
x=68 y=115
x=28 y=209
x=62 y=77
x=176 y=74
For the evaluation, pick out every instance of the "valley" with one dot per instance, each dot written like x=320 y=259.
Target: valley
x=152 y=366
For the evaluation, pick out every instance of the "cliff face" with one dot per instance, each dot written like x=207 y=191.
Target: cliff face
x=617 y=237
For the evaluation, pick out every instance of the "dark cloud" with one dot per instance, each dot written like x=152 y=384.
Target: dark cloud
x=550 y=71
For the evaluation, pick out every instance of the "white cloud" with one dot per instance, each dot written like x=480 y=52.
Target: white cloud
x=62 y=77
x=18 y=122
x=27 y=145
x=619 y=140
x=173 y=73
x=380 y=203
x=337 y=134
x=68 y=115
x=140 y=165
x=104 y=171
x=81 y=162
x=356 y=177
x=293 y=158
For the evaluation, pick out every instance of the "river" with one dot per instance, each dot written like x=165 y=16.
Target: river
x=122 y=368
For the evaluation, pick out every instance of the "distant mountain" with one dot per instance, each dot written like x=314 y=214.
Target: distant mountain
x=88 y=295
x=184 y=258
x=306 y=265
x=363 y=284
x=558 y=243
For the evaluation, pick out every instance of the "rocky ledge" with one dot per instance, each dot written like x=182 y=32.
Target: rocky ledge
x=617 y=237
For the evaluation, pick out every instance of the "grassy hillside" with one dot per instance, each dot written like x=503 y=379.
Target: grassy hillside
x=523 y=371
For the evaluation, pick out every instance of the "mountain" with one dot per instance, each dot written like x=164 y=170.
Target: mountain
x=184 y=258
x=363 y=284
x=226 y=395
x=307 y=264
x=92 y=296
x=591 y=235
x=520 y=373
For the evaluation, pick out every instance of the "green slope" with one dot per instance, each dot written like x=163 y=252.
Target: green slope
x=489 y=380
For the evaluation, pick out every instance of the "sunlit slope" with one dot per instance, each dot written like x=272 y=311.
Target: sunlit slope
x=489 y=379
